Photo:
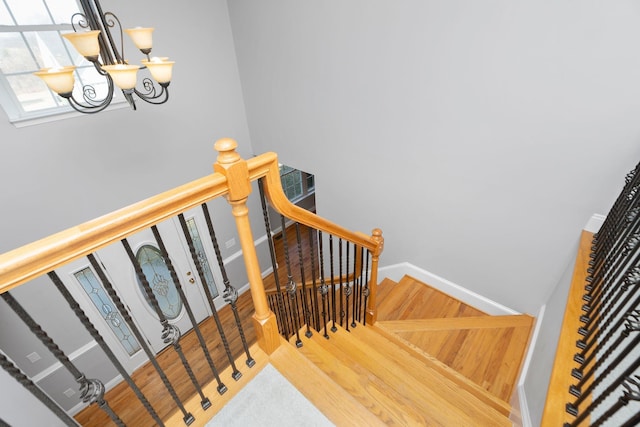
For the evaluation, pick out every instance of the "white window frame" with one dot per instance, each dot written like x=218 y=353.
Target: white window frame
x=12 y=105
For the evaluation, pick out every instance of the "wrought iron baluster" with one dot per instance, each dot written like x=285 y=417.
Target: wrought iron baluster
x=198 y=262
x=630 y=393
x=291 y=284
x=170 y=333
x=333 y=285
x=324 y=289
x=205 y=402
x=305 y=303
x=356 y=293
x=314 y=292
x=43 y=397
x=365 y=292
x=274 y=264
x=340 y=281
x=632 y=325
x=91 y=389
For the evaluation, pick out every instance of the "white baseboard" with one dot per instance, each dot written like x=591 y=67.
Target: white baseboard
x=395 y=272
x=524 y=407
x=594 y=223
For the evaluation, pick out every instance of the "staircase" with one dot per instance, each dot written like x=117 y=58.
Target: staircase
x=429 y=360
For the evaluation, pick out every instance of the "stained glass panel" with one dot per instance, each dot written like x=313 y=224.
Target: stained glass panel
x=160 y=281
x=93 y=287
x=202 y=256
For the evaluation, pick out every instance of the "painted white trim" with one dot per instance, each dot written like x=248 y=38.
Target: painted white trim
x=524 y=407
x=594 y=223
x=72 y=356
x=395 y=272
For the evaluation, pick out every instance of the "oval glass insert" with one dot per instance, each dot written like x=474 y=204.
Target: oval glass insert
x=159 y=278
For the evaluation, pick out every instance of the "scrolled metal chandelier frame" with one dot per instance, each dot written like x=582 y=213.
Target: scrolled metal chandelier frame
x=93 y=39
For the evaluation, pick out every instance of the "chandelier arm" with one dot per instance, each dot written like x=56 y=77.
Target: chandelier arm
x=151 y=95
x=109 y=20
x=88 y=105
x=79 y=19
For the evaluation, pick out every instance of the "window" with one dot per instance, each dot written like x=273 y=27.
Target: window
x=296 y=183
x=30 y=39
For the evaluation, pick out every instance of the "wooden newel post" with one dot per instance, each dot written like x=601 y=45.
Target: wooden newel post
x=231 y=165
x=372 y=309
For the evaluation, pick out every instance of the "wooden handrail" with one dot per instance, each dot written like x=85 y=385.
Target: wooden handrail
x=558 y=392
x=20 y=265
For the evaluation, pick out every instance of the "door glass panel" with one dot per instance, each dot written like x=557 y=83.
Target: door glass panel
x=202 y=256
x=160 y=281
x=94 y=289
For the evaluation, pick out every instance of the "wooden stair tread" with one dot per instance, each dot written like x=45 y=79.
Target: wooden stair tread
x=397 y=388
x=488 y=350
x=449 y=323
x=333 y=401
x=412 y=299
x=424 y=358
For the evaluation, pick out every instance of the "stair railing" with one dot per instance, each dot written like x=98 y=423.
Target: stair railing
x=232 y=179
x=596 y=375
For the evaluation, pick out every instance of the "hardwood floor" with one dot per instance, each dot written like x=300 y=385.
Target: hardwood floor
x=123 y=400
x=486 y=349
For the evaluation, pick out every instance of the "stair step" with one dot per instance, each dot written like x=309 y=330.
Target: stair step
x=454 y=323
x=398 y=388
x=412 y=299
x=332 y=400
x=426 y=359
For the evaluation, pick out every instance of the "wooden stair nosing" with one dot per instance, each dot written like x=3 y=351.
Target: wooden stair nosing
x=457 y=323
x=332 y=400
x=480 y=393
x=443 y=400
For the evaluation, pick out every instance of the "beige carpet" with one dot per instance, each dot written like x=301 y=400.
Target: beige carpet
x=269 y=400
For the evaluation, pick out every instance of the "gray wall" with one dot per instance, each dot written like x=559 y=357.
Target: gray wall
x=56 y=175
x=480 y=136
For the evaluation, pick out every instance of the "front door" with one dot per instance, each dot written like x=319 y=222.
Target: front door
x=83 y=282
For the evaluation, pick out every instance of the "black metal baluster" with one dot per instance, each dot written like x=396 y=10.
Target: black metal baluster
x=230 y=296
x=291 y=284
x=198 y=262
x=205 y=402
x=324 y=289
x=274 y=264
x=170 y=333
x=43 y=397
x=340 y=281
x=305 y=302
x=91 y=389
x=356 y=293
x=188 y=418
x=631 y=392
x=314 y=292
x=366 y=291
x=632 y=325
x=203 y=282
x=333 y=285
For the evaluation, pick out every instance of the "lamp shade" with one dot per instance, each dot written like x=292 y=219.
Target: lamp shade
x=123 y=75
x=86 y=43
x=59 y=80
x=141 y=37
x=160 y=69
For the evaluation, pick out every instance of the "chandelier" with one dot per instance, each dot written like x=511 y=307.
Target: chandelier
x=93 y=39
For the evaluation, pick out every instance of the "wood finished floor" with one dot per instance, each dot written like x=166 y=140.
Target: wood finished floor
x=123 y=400
x=486 y=349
